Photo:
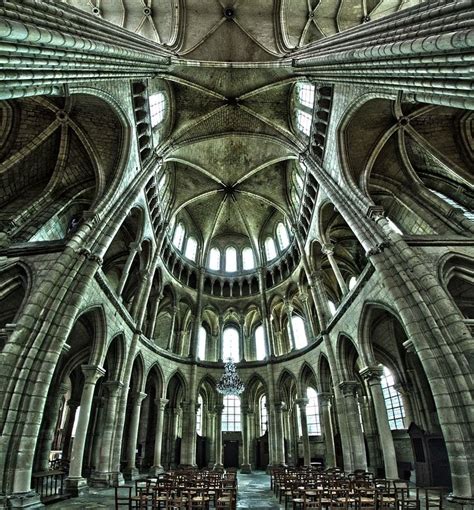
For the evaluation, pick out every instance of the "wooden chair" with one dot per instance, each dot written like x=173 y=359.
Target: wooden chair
x=125 y=498
x=407 y=498
x=433 y=498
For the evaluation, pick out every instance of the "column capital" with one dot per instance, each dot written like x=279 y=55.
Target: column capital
x=112 y=387
x=372 y=374
x=138 y=397
x=324 y=398
x=92 y=373
x=327 y=248
x=349 y=388
x=73 y=404
x=403 y=388
x=408 y=344
x=279 y=406
x=135 y=246
x=302 y=403
x=219 y=408
x=161 y=402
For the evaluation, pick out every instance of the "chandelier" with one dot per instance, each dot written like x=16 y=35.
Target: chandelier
x=230 y=383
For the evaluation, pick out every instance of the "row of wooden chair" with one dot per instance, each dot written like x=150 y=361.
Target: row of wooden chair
x=182 y=490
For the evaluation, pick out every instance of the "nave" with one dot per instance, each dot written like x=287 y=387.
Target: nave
x=277 y=491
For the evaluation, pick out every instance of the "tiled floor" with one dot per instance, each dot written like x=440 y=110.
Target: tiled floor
x=254 y=493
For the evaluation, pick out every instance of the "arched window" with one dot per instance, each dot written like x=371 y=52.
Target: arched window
x=332 y=307
x=393 y=401
x=352 y=282
x=303 y=122
x=312 y=413
x=231 y=414
x=248 y=260
x=157 y=108
x=306 y=94
x=260 y=347
x=230 y=344
x=270 y=249
x=178 y=237
x=283 y=237
x=191 y=249
x=299 y=332
x=201 y=351
x=467 y=214
x=263 y=414
x=214 y=259
x=231 y=259
x=199 y=413
x=394 y=227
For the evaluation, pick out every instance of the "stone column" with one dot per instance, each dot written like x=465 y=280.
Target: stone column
x=218 y=466
x=372 y=375
x=131 y=470
x=355 y=457
x=302 y=403
x=245 y=467
x=211 y=435
x=75 y=483
x=188 y=440
x=278 y=434
x=265 y=315
x=102 y=476
x=171 y=340
x=154 y=315
x=72 y=406
x=324 y=400
x=242 y=349
x=309 y=323
x=289 y=310
x=134 y=250
x=328 y=250
x=45 y=439
x=194 y=339
x=160 y=411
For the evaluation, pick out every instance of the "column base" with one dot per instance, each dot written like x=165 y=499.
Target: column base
x=246 y=469
x=76 y=486
x=218 y=467
x=116 y=478
x=460 y=500
x=99 y=479
x=29 y=500
x=131 y=474
x=156 y=470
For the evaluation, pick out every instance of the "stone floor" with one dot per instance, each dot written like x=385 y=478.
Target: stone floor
x=254 y=493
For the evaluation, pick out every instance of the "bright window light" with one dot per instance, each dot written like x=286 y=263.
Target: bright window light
x=191 y=249
x=468 y=214
x=283 y=237
x=231 y=414
x=248 y=260
x=215 y=259
x=352 y=282
x=393 y=401
x=312 y=413
x=230 y=344
x=199 y=415
x=178 y=237
x=202 y=343
x=157 y=108
x=231 y=259
x=299 y=332
x=332 y=307
x=263 y=415
x=306 y=94
x=260 y=347
x=303 y=122
x=270 y=249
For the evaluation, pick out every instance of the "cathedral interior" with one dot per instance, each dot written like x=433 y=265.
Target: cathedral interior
x=287 y=184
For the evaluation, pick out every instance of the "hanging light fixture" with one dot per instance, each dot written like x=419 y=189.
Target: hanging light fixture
x=230 y=383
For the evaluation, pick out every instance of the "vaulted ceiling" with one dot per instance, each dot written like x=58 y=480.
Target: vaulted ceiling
x=238 y=30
